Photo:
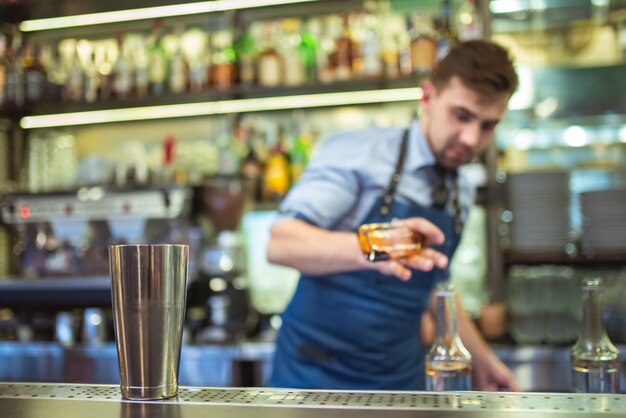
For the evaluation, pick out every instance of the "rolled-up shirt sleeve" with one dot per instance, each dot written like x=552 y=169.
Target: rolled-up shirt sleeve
x=327 y=191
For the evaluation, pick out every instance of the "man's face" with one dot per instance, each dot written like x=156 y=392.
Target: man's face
x=458 y=122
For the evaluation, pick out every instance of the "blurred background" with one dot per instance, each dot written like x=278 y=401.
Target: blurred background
x=188 y=123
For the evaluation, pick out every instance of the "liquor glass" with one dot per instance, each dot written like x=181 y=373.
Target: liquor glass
x=388 y=241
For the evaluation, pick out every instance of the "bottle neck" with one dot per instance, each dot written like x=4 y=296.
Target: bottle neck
x=592 y=324
x=446 y=316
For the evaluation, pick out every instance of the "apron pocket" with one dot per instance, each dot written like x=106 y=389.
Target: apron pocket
x=314 y=353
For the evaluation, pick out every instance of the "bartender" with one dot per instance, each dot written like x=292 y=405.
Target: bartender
x=355 y=324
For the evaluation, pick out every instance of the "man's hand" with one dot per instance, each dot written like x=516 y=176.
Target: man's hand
x=426 y=260
x=490 y=374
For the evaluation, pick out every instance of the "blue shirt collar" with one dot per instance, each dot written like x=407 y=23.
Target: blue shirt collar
x=419 y=152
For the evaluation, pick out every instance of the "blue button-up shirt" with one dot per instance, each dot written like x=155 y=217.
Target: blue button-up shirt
x=352 y=170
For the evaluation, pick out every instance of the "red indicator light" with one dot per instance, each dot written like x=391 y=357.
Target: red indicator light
x=24 y=212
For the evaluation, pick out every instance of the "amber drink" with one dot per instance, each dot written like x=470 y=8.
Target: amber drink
x=448 y=375
x=388 y=241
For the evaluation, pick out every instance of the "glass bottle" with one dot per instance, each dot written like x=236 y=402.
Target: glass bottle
x=468 y=22
x=123 y=70
x=178 y=72
x=269 y=66
x=251 y=165
x=3 y=67
x=300 y=154
x=246 y=57
x=309 y=49
x=343 y=50
x=74 y=77
x=448 y=363
x=289 y=45
x=423 y=47
x=595 y=363
x=105 y=58
x=141 y=64
x=223 y=60
x=195 y=47
x=446 y=37
x=157 y=60
x=34 y=74
x=325 y=56
x=14 y=76
x=371 y=46
x=56 y=74
x=86 y=54
x=276 y=177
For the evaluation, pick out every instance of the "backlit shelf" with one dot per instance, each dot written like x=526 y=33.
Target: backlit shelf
x=222 y=107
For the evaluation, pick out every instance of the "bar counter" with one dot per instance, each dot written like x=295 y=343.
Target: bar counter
x=536 y=368
x=33 y=400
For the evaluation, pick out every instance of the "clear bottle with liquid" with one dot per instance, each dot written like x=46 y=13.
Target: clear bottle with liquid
x=595 y=363
x=448 y=363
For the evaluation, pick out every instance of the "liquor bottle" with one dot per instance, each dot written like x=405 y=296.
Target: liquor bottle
x=74 y=76
x=308 y=51
x=344 y=49
x=276 y=178
x=195 y=46
x=141 y=64
x=105 y=59
x=86 y=54
x=55 y=74
x=251 y=166
x=371 y=47
x=123 y=70
x=448 y=363
x=446 y=37
x=227 y=163
x=621 y=38
x=468 y=23
x=300 y=154
x=14 y=76
x=423 y=46
x=246 y=57
x=355 y=31
x=178 y=72
x=325 y=57
x=34 y=74
x=223 y=60
x=269 y=65
x=595 y=363
x=289 y=45
x=157 y=60
x=469 y=26
x=4 y=64
x=166 y=175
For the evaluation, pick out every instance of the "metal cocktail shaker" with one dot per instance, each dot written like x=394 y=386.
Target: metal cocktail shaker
x=149 y=289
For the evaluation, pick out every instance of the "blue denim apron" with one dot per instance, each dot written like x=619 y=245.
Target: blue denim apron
x=360 y=329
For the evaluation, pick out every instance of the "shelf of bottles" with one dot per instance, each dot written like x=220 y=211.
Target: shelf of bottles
x=371 y=52
x=229 y=64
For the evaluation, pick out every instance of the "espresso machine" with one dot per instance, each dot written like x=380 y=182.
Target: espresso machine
x=218 y=299
x=60 y=241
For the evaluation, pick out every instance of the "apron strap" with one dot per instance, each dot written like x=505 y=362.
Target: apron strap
x=385 y=207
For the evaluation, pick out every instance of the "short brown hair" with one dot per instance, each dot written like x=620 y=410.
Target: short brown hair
x=483 y=66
